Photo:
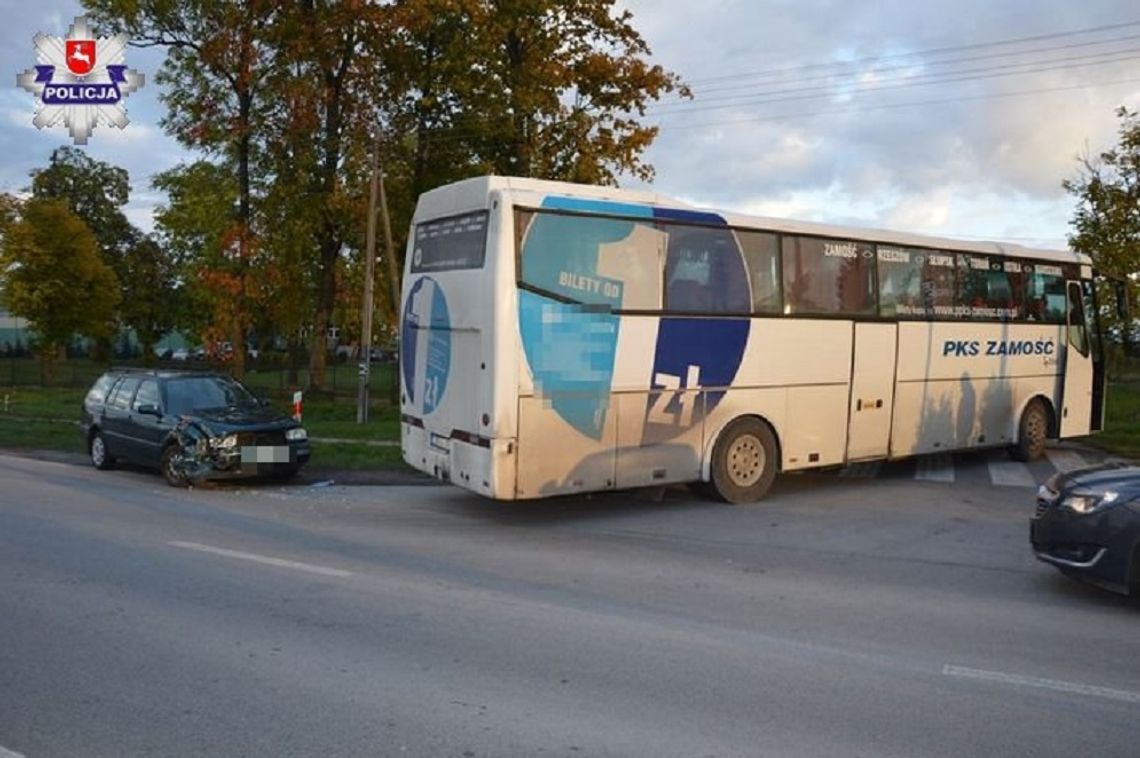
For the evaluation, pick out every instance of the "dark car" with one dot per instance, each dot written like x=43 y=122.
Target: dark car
x=1087 y=524
x=190 y=425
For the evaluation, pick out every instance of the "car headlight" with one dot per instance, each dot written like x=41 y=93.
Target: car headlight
x=295 y=435
x=225 y=443
x=1089 y=503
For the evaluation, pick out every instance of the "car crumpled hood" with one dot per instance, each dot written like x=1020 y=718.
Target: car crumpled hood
x=242 y=419
x=1123 y=478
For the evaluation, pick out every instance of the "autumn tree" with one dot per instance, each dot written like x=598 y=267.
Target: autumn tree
x=326 y=107
x=217 y=60
x=1106 y=221
x=196 y=226
x=555 y=89
x=55 y=276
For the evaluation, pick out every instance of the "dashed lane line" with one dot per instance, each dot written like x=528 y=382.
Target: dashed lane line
x=1000 y=677
x=267 y=560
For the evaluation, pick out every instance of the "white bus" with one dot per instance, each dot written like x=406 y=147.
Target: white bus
x=560 y=338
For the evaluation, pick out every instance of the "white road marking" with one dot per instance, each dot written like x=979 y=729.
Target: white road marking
x=1010 y=474
x=5 y=753
x=1065 y=460
x=266 y=559
x=935 y=468
x=1046 y=684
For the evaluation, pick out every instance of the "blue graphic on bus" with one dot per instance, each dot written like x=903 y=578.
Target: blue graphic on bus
x=570 y=349
x=425 y=341
x=571 y=346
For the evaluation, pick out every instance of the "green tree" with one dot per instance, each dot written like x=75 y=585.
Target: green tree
x=151 y=303
x=1106 y=221
x=56 y=278
x=95 y=191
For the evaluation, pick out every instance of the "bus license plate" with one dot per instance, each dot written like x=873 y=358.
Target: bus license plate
x=439 y=442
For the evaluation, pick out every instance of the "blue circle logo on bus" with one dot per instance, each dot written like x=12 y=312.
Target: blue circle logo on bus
x=425 y=345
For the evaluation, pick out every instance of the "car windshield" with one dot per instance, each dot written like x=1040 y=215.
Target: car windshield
x=196 y=393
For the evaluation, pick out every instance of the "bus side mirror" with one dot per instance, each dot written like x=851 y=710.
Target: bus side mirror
x=1122 y=299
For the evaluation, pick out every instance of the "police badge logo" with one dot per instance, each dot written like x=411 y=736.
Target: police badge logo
x=80 y=81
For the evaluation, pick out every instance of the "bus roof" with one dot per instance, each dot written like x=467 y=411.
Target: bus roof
x=470 y=194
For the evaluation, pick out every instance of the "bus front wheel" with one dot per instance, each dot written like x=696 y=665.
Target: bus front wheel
x=744 y=461
x=1032 y=431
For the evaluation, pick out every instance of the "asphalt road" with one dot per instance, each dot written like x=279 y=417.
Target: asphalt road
x=887 y=616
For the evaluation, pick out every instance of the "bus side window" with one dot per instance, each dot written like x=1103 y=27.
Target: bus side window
x=1045 y=299
x=762 y=259
x=704 y=271
x=825 y=276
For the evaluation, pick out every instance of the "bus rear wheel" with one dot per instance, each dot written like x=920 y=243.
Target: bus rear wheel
x=1032 y=432
x=744 y=461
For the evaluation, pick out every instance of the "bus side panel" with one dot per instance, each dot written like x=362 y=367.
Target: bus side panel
x=795 y=374
x=666 y=446
x=554 y=459
x=963 y=385
x=816 y=433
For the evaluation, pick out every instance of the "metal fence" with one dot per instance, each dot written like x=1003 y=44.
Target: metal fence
x=263 y=377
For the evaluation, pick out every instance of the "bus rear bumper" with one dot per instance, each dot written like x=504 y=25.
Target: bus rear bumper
x=482 y=465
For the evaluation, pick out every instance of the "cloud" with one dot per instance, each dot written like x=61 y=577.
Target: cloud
x=776 y=126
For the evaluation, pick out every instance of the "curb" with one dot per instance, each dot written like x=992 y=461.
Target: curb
x=315 y=477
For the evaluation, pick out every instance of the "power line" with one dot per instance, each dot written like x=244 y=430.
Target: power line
x=928 y=52
x=892 y=106
x=950 y=62
x=984 y=72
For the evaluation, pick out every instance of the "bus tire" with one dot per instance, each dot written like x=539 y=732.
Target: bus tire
x=744 y=461
x=1032 y=432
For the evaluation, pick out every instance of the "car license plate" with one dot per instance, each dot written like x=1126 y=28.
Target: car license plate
x=265 y=454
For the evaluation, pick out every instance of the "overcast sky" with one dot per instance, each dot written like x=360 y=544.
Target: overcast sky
x=956 y=119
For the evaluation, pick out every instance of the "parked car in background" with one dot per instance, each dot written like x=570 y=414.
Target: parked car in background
x=190 y=425
x=1087 y=524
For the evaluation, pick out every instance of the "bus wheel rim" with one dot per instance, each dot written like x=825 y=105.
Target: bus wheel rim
x=746 y=460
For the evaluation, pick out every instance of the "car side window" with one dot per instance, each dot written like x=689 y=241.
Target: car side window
x=121 y=397
x=147 y=395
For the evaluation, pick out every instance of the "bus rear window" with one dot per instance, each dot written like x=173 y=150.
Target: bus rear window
x=448 y=244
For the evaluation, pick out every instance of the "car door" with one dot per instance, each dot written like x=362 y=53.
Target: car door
x=148 y=427
x=117 y=419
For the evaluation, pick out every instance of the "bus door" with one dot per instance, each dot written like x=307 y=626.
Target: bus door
x=872 y=391
x=1077 y=392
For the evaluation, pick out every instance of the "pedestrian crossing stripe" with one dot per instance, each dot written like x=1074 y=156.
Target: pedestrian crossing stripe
x=995 y=467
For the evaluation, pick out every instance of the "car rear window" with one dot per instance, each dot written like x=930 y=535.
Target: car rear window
x=99 y=390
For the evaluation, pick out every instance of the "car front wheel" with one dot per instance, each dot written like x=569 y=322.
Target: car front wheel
x=171 y=466
x=100 y=457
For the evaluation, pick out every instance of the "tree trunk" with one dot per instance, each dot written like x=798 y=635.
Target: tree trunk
x=326 y=292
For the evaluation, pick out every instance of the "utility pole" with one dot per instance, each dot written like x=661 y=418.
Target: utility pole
x=365 y=377
x=390 y=257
